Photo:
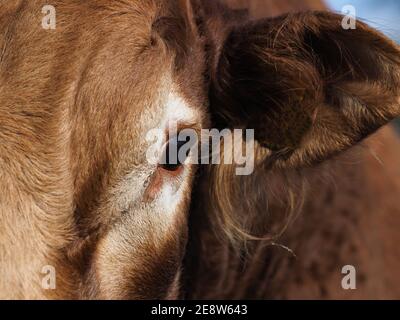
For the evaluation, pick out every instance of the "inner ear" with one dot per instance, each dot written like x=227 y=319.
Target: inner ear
x=308 y=87
x=342 y=54
x=262 y=88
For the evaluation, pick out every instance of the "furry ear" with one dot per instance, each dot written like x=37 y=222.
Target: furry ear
x=307 y=86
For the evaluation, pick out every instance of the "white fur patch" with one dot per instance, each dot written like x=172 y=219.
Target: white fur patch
x=179 y=111
x=131 y=191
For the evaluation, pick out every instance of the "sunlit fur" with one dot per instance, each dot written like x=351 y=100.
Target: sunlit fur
x=76 y=190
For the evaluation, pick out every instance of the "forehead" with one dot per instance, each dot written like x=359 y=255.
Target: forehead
x=144 y=63
x=141 y=65
x=138 y=50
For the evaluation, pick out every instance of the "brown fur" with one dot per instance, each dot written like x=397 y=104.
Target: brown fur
x=331 y=209
x=75 y=104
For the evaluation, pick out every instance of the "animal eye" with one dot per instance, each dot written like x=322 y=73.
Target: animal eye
x=174 y=156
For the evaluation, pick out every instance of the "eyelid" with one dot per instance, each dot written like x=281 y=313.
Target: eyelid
x=180 y=126
x=171 y=151
x=161 y=175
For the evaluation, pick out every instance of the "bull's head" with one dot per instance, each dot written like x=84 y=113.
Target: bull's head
x=112 y=223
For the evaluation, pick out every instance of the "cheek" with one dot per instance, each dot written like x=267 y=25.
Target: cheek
x=139 y=264
x=140 y=256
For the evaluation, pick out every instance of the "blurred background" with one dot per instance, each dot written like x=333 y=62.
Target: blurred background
x=383 y=15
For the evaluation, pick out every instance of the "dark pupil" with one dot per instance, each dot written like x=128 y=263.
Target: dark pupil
x=172 y=161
